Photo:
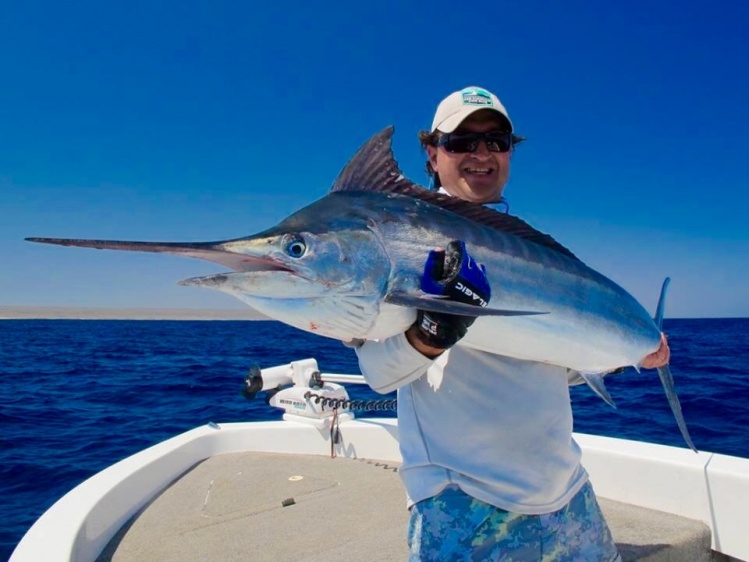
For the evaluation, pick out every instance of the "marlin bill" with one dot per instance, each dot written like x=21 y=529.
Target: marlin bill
x=349 y=266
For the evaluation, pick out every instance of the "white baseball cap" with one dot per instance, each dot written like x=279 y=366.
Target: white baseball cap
x=457 y=106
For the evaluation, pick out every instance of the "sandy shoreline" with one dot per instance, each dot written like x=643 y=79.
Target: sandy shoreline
x=85 y=313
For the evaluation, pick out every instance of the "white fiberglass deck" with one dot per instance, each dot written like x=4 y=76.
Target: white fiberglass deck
x=353 y=507
x=270 y=506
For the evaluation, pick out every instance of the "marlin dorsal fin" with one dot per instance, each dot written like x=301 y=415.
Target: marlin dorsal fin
x=373 y=168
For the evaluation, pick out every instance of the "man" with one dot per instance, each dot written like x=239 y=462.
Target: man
x=489 y=463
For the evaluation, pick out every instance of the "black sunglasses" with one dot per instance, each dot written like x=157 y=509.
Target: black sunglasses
x=468 y=142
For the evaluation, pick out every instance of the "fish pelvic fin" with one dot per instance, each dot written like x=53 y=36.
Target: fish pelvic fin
x=595 y=382
x=668 y=384
x=433 y=303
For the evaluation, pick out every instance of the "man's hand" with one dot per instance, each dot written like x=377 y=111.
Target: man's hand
x=454 y=274
x=658 y=358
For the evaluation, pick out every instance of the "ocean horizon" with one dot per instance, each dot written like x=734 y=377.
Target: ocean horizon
x=24 y=312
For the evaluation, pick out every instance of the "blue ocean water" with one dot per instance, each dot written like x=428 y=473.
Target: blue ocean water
x=79 y=395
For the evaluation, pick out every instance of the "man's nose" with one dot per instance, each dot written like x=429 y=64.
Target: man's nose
x=482 y=149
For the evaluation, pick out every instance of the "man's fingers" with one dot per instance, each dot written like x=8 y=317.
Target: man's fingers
x=659 y=357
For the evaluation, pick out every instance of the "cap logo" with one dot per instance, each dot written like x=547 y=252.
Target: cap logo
x=476 y=96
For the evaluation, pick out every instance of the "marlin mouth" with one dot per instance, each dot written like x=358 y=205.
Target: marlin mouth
x=252 y=263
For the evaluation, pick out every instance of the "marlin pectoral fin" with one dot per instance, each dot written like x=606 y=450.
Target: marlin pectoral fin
x=434 y=303
x=595 y=382
x=668 y=384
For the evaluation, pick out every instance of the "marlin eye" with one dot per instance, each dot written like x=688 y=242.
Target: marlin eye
x=295 y=246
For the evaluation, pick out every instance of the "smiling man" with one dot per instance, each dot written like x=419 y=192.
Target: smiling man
x=490 y=465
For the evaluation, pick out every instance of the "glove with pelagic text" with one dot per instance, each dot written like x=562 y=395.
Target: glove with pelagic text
x=454 y=274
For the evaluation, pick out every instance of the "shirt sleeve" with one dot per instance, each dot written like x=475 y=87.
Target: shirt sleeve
x=391 y=363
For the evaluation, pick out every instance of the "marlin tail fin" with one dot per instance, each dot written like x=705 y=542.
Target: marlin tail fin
x=665 y=373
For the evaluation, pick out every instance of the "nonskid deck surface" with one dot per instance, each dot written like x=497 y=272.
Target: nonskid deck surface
x=230 y=508
x=263 y=506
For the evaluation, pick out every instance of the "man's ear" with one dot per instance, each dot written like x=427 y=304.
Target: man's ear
x=432 y=155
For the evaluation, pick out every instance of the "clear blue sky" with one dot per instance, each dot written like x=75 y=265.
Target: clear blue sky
x=202 y=121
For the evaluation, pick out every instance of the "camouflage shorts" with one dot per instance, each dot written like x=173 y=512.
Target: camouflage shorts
x=454 y=526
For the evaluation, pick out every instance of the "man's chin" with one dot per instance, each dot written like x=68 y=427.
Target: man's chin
x=484 y=191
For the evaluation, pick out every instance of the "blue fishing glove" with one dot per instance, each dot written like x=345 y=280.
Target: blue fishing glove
x=454 y=274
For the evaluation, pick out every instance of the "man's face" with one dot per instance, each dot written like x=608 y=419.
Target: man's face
x=478 y=176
